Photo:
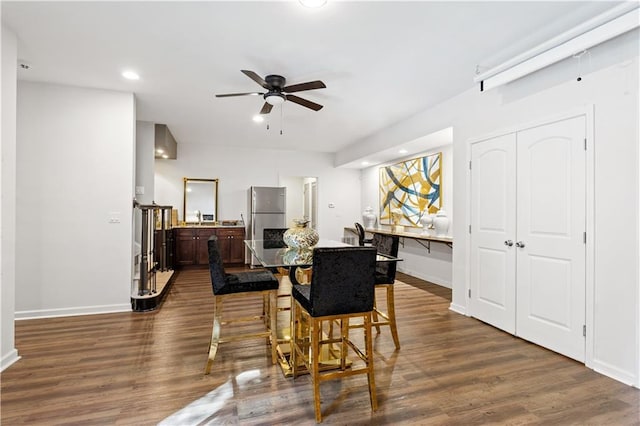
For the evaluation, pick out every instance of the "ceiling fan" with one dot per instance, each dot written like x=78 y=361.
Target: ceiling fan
x=277 y=91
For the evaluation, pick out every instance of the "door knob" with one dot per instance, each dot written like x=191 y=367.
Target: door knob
x=520 y=244
x=508 y=243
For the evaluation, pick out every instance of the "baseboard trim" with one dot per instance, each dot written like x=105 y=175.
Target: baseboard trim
x=615 y=373
x=69 y=312
x=9 y=359
x=431 y=279
x=458 y=308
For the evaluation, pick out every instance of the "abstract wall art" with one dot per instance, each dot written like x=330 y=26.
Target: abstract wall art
x=413 y=187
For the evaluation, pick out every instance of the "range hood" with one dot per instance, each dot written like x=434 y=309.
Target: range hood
x=165 y=144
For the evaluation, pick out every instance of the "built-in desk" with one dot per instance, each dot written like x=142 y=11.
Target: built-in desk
x=424 y=239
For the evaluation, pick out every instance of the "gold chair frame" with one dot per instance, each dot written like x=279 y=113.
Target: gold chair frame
x=268 y=317
x=307 y=341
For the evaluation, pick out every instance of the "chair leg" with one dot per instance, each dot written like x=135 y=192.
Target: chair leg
x=293 y=343
x=391 y=313
x=316 y=334
x=375 y=313
x=215 y=334
x=370 y=364
x=344 y=337
x=273 y=300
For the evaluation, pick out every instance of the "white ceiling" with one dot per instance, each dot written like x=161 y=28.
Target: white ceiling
x=381 y=61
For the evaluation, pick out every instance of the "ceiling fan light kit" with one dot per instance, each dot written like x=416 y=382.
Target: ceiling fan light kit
x=274 y=98
x=278 y=92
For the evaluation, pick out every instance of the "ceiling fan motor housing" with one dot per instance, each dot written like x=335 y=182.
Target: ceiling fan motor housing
x=277 y=82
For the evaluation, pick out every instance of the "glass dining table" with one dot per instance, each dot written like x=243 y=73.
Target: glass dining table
x=293 y=266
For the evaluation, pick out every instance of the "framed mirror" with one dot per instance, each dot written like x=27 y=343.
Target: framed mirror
x=200 y=201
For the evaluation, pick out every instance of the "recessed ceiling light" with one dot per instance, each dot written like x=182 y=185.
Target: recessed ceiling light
x=160 y=151
x=131 y=75
x=258 y=118
x=165 y=156
x=313 y=3
x=365 y=163
x=403 y=151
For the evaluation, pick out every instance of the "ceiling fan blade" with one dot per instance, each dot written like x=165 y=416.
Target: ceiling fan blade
x=304 y=86
x=266 y=108
x=255 y=77
x=305 y=103
x=226 y=95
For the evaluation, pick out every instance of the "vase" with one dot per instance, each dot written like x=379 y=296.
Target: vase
x=297 y=256
x=369 y=218
x=441 y=223
x=301 y=236
x=427 y=223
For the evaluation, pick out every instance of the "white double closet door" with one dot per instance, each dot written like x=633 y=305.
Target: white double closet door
x=527 y=234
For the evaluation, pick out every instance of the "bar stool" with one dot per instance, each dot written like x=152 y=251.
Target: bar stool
x=385 y=277
x=341 y=288
x=242 y=284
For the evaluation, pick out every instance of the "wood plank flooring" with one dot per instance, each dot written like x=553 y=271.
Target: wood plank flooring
x=147 y=368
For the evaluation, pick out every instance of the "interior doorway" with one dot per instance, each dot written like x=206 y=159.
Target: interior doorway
x=302 y=199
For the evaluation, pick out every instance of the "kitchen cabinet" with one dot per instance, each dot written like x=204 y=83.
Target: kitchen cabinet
x=231 y=242
x=191 y=245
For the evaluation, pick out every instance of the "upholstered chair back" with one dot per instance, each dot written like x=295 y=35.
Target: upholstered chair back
x=216 y=266
x=386 y=244
x=274 y=237
x=342 y=280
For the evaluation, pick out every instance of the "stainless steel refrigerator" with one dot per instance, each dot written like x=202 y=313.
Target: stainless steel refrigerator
x=267 y=209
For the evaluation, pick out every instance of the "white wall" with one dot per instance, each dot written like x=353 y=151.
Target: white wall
x=8 y=352
x=75 y=162
x=610 y=82
x=294 y=185
x=434 y=265
x=240 y=168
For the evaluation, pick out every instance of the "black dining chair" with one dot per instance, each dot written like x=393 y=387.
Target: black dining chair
x=342 y=287
x=362 y=240
x=384 y=278
x=274 y=237
x=240 y=284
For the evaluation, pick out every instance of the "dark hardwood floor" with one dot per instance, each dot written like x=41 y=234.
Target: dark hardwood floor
x=147 y=368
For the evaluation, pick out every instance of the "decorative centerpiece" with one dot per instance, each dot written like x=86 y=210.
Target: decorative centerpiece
x=396 y=217
x=301 y=236
x=297 y=256
x=369 y=218
x=427 y=223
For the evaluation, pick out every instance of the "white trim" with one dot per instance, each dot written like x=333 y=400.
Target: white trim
x=609 y=370
x=590 y=208
x=9 y=359
x=68 y=312
x=458 y=309
x=597 y=30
